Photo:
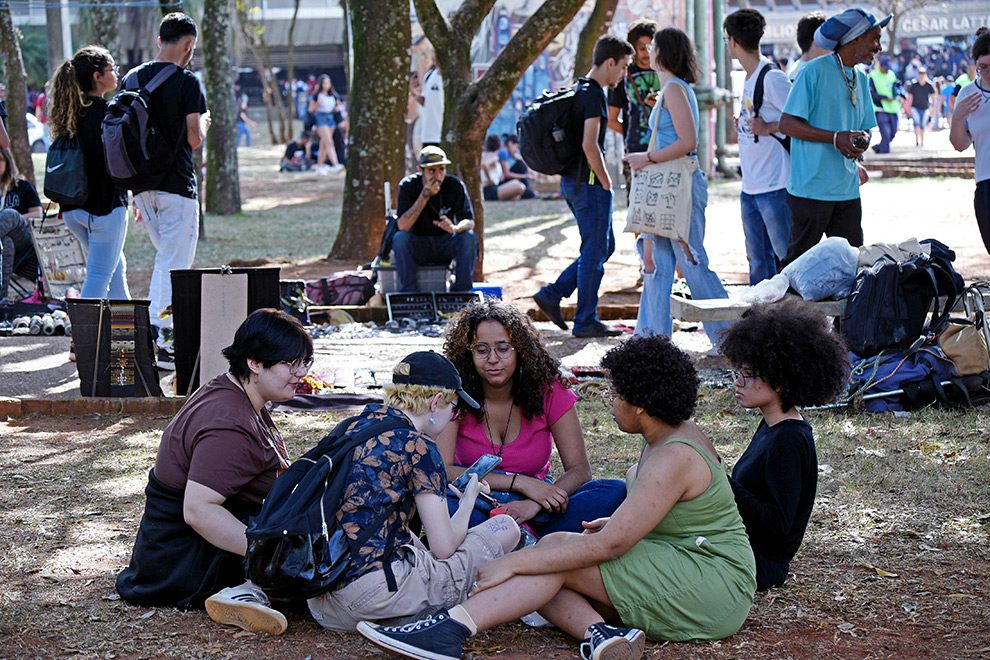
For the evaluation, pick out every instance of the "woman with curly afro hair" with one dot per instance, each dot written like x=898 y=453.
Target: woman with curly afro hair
x=786 y=355
x=671 y=563
x=526 y=411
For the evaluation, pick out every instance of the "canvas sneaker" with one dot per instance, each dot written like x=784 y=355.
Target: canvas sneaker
x=247 y=608
x=166 y=359
x=437 y=637
x=613 y=643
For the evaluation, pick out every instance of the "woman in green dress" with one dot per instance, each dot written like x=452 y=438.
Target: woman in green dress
x=672 y=563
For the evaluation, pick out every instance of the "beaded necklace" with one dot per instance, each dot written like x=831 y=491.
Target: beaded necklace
x=850 y=84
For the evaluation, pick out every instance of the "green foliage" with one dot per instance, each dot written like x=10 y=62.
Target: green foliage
x=34 y=53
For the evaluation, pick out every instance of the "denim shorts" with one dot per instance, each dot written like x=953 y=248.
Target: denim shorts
x=325 y=119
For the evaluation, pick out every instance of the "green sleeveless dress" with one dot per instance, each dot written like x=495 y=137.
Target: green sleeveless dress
x=692 y=578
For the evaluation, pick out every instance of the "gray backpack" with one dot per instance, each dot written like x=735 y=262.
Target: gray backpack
x=138 y=154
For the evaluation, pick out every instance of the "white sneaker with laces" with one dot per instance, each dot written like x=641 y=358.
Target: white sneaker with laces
x=247 y=608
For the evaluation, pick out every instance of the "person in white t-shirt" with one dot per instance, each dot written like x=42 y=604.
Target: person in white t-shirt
x=971 y=126
x=765 y=160
x=806 y=42
x=432 y=102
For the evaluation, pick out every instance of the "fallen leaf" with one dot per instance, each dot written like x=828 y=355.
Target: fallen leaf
x=245 y=633
x=961 y=596
x=879 y=571
x=909 y=607
x=847 y=628
x=147 y=614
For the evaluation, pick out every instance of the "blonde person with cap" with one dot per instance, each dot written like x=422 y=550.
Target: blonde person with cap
x=828 y=115
x=436 y=223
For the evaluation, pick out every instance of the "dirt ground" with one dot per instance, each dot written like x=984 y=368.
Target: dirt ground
x=884 y=572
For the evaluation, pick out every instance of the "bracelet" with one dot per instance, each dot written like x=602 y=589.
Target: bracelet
x=648 y=157
x=513 y=482
x=835 y=134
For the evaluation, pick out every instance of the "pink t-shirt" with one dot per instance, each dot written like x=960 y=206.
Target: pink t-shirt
x=529 y=453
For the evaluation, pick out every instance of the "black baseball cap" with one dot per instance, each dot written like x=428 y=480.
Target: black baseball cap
x=432 y=369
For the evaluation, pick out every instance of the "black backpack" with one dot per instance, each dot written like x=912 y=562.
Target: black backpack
x=138 y=154
x=890 y=301
x=296 y=549
x=548 y=141
x=758 y=103
x=66 y=181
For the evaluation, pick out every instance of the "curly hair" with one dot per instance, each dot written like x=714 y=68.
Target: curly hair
x=653 y=374
x=72 y=82
x=792 y=347
x=673 y=50
x=536 y=369
x=10 y=174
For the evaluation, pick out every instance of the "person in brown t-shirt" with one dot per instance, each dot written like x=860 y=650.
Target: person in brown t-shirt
x=217 y=460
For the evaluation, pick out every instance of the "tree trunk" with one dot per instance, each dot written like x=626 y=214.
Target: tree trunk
x=469 y=107
x=104 y=24
x=291 y=73
x=379 y=40
x=598 y=22
x=53 y=33
x=13 y=65
x=223 y=193
x=255 y=41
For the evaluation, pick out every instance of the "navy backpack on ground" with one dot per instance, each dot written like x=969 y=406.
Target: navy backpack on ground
x=296 y=549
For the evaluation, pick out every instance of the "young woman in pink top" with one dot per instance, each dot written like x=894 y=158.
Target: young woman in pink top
x=526 y=411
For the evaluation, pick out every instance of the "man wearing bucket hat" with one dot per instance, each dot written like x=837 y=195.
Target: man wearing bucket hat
x=882 y=88
x=829 y=114
x=435 y=223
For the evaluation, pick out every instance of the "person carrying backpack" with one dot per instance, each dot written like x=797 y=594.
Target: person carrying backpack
x=75 y=111
x=169 y=208
x=587 y=188
x=764 y=156
x=391 y=475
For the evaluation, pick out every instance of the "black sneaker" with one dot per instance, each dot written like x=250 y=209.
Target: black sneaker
x=613 y=643
x=166 y=360
x=435 y=638
x=551 y=309
x=597 y=329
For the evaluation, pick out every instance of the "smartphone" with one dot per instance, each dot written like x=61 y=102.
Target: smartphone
x=480 y=467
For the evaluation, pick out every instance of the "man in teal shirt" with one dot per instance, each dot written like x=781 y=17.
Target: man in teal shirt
x=828 y=115
x=882 y=82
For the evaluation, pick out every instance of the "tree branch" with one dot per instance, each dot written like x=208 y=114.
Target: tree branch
x=468 y=17
x=435 y=25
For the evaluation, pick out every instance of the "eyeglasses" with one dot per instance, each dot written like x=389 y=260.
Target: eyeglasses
x=114 y=68
x=299 y=364
x=503 y=350
x=726 y=38
x=743 y=376
x=983 y=68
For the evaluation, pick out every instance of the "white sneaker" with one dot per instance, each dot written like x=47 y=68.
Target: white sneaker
x=336 y=168
x=323 y=170
x=246 y=608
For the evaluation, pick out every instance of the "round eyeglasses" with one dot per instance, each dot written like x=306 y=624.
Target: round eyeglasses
x=743 y=376
x=299 y=364
x=481 y=350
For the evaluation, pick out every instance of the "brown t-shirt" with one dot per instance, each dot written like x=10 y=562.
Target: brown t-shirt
x=217 y=440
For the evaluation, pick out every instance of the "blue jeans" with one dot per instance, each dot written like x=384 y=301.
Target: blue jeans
x=242 y=129
x=410 y=250
x=595 y=499
x=766 y=221
x=654 y=303
x=592 y=209
x=173 y=225
x=103 y=237
x=887 y=123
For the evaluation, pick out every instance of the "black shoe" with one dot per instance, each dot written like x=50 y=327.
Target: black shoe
x=551 y=309
x=613 y=643
x=437 y=637
x=597 y=329
x=166 y=360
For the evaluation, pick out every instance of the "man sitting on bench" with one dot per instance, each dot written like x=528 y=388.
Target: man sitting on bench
x=435 y=223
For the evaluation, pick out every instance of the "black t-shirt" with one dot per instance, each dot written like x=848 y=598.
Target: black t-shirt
x=589 y=102
x=920 y=94
x=774 y=483
x=452 y=201
x=294 y=149
x=22 y=197
x=179 y=96
x=635 y=115
x=103 y=196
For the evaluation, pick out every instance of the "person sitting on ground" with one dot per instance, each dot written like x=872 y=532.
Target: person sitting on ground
x=493 y=184
x=297 y=157
x=786 y=355
x=513 y=166
x=436 y=223
x=404 y=466
x=672 y=563
x=527 y=410
x=217 y=460
x=20 y=203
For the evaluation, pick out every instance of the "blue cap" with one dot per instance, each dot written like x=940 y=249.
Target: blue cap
x=843 y=28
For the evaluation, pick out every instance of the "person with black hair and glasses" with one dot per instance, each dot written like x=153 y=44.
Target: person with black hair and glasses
x=786 y=355
x=217 y=460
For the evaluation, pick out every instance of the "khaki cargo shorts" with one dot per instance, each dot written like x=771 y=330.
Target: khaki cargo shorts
x=423 y=580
